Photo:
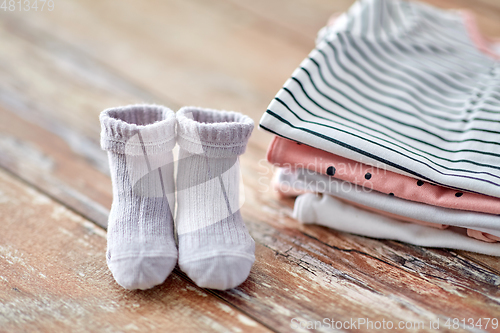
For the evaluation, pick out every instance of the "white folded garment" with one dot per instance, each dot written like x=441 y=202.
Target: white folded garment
x=330 y=212
x=307 y=180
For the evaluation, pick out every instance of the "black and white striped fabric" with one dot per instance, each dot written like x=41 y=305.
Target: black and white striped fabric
x=398 y=85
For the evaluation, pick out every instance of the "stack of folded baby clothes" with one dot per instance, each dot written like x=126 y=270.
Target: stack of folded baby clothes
x=394 y=118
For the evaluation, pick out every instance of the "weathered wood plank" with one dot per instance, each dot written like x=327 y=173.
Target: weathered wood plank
x=301 y=19
x=337 y=266
x=59 y=88
x=428 y=283
x=304 y=18
x=195 y=53
x=213 y=52
x=53 y=276
x=274 y=242
x=47 y=161
x=489 y=262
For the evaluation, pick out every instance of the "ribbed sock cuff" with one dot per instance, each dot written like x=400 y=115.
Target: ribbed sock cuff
x=134 y=129
x=212 y=133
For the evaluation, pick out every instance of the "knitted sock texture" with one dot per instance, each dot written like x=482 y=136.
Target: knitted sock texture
x=141 y=250
x=215 y=249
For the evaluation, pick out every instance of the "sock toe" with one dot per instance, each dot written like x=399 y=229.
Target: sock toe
x=221 y=272
x=141 y=273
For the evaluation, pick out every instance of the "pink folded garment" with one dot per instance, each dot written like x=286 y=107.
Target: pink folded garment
x=286 y=153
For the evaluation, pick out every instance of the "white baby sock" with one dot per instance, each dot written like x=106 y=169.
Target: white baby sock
x=215 y=249
x=141 y=247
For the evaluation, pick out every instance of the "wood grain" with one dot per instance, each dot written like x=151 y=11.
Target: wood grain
x=432 y=283
x=276 y=235
x=48 y=162
x=196 y=53
x=53 y=277
x=86 y=56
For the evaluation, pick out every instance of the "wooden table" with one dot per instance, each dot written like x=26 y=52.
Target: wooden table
x=60 y=68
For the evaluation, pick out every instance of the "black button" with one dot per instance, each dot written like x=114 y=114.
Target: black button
x=330 y=171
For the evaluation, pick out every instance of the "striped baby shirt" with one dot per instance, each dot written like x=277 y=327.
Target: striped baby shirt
x=402 y=86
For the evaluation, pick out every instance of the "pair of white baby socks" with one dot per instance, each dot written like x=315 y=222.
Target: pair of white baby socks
x=214 y=247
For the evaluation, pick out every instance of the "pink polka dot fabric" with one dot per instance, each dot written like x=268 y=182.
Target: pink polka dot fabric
x=287 y=153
